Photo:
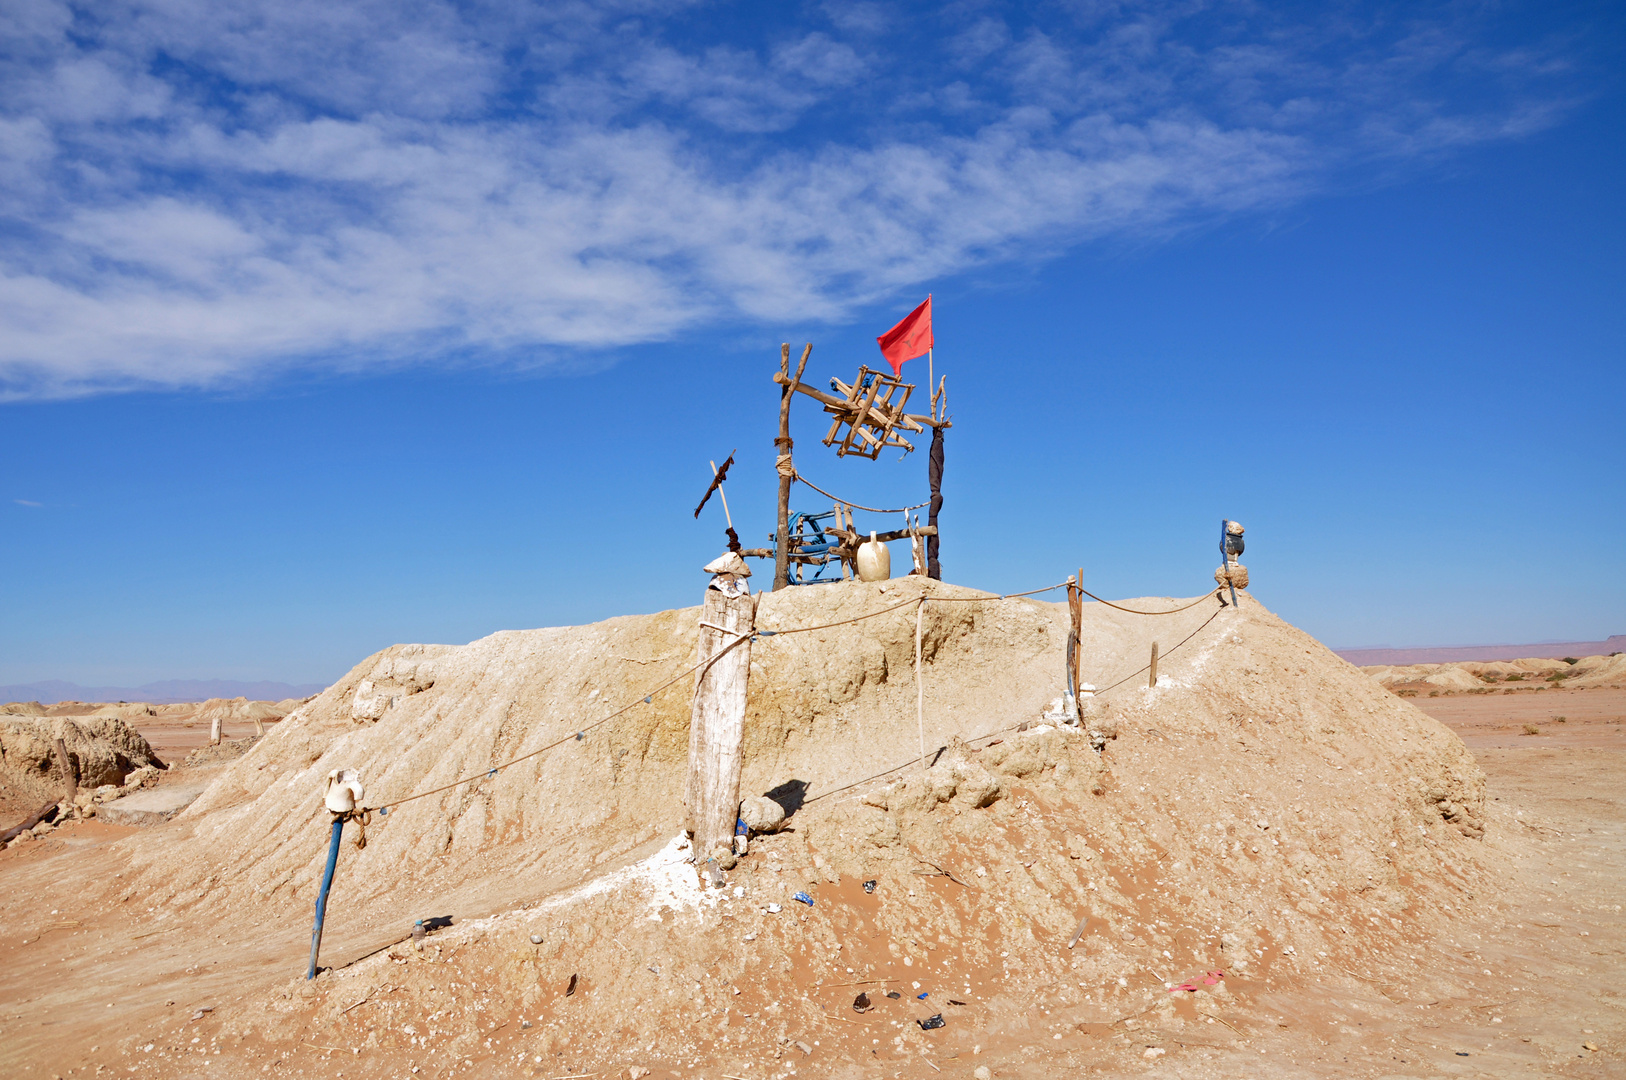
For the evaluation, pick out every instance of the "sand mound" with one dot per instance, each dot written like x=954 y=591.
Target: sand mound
x=1265 y=805
x=104 y=750
x=1599 y=671
x=1475 y=675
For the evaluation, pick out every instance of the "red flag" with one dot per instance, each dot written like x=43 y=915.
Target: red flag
x=912 y=337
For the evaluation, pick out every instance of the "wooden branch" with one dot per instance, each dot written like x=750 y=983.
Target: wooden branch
x=831 y=401
x=44 y=813
x=853 y=536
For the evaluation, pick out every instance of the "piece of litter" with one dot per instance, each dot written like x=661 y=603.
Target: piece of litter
x=951 y=1001
x=861 y=1003
x=893 y=994
x=774 y=909
x=869 y=886
x=804 y=898
x=570 y=987
x=935 y=1020
x=199 y=1014
x=920 y=997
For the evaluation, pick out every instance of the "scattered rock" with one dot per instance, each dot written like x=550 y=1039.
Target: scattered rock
x=154 y=807
x=762 y=815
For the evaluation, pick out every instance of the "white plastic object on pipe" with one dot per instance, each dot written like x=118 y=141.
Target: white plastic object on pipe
x=344 y=790
x=874 y=560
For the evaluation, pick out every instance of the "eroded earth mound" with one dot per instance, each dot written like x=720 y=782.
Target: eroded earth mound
x=1266 y=809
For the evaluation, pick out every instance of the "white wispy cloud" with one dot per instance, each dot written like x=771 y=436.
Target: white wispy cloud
x=194 y=193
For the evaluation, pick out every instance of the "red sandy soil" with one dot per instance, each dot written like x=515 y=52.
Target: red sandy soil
x=1520 y=987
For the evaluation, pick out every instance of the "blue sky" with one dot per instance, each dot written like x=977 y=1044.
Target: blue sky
x=327 y=326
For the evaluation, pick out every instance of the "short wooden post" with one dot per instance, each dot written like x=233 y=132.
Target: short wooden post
x=214 y=730
x=70 y=776
x=717 y=720
x=1075 y=660
x=1153 y=680
x=920 y=685
x=781 y=554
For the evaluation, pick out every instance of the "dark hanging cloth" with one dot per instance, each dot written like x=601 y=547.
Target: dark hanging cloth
x=934 y=473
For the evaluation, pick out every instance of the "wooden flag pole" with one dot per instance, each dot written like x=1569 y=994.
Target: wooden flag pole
x=781 y=562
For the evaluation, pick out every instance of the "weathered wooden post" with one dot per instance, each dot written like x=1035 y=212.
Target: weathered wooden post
x=214 y=730
x=70 y=776
x=1152 y=682
x=1075 y=641
x=920 y=685
x=784 y=464
x=717 y=720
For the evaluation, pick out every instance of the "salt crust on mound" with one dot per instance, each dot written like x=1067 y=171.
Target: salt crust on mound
x=1263 y=804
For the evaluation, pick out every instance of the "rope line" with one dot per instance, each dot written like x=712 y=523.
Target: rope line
x=1013 y=727
x=855 y=506
x=1132 y=611
x=1000 y=596
x=646 y=699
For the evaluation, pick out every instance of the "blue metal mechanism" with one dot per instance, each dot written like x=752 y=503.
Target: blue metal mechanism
x=863 y=384
x=810 y=547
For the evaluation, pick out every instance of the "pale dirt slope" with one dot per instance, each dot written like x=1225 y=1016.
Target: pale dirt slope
x=1268 y=810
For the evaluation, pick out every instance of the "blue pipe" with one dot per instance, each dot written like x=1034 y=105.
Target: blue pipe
x=321 y=897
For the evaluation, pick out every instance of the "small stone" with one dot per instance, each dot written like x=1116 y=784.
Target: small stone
x=637 y=1072
x=1152 y=1053
x=983 y=1072
x=1590 y=1046
x=536 y=939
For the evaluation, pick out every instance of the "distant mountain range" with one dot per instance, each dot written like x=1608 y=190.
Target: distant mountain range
x=159 y=693
x=1446 y=654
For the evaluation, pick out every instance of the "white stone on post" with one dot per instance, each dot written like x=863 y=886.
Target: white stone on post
x=717 y=722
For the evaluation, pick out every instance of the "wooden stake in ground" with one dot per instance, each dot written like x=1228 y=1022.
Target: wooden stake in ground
x=717 y=722
x=787 y=471
x=1075 y=659
x=70 y=775
x=214 y=730
x=920 y=687
x=1152 y=681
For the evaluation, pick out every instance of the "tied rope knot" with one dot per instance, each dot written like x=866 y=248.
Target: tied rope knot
x=361 y=817
x=786 y=470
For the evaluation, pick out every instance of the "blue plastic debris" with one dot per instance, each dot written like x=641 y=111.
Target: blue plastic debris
x=580 y=735
x=804 y=898
x=920 y=997
x=647 y=700
x=383 y=810
x=739 y=827
x=490 y=774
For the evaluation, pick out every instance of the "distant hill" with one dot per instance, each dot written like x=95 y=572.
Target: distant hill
x=1447 y=654
x=159 y=693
